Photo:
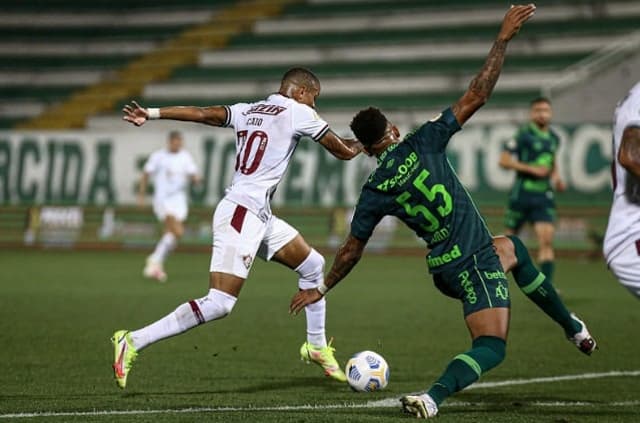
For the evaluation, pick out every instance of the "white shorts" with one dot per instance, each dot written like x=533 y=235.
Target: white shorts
x=239 y=236
x=177 y=208
x=626 y=267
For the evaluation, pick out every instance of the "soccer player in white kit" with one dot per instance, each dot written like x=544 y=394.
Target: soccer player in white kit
x=171 y=169
x=622 y=239
x=267 y=133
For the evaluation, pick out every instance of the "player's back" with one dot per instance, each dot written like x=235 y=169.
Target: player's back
x=415 y=182
x=267 y=133
x=624 y=219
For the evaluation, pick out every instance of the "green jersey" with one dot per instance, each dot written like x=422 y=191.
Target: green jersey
x=415 y=182
x=534 y=147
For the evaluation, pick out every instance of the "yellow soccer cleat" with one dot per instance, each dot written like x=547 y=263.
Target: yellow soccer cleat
x=323 y=356
x=124 y=356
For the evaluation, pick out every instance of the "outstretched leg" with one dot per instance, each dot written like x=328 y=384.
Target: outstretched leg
x=218 y=303
x=482 y=287
x=488 y=330
x=534 y=284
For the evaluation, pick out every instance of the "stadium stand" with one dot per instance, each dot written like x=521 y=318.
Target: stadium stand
x=408 y=56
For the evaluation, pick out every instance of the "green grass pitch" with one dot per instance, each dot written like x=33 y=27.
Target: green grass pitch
x=59 y=308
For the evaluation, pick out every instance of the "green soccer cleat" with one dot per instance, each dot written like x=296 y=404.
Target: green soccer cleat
x=421 y=406
x=124 y=356
x=323 y=356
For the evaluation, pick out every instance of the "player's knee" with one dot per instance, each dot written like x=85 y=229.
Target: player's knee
x=492 y=351
x=216 y=305
x=177 y=230
x=311 y=270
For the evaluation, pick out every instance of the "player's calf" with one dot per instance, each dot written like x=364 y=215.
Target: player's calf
x=539 y=289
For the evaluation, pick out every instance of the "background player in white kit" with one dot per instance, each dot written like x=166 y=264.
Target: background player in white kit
x=171 y=170
x=622 y=240
x=267 y=133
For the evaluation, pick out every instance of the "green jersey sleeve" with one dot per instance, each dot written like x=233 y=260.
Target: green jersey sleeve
x=433 y=136
x=514 y=143
x=367 y=214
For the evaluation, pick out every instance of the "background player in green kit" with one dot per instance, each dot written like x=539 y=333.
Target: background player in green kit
x=531 y=153
x=415 y=182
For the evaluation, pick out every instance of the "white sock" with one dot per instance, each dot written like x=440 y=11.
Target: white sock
x=163 y=248
x=311 y=273
x=215 y=305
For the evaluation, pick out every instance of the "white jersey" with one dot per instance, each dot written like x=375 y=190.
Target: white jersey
x=171 y=173
x=267 y=134
x=624 y=219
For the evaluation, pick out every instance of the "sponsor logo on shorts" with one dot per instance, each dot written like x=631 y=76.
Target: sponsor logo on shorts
x=449 y=256
x=498 y=274
x=467 y=285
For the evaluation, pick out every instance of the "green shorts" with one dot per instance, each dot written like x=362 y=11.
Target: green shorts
x=530 y=208
x=479 y=282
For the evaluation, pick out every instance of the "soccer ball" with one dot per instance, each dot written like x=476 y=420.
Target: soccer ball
x=367 y=372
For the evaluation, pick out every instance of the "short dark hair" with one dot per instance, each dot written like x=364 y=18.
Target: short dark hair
x=175 y=134
x=369 y=126
x=540 y=99
x=301 y=76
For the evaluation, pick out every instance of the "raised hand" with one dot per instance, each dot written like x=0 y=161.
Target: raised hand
x=514 y=19
x=135 y=114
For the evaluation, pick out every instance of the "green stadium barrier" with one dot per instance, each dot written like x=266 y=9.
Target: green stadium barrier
x=579 y=230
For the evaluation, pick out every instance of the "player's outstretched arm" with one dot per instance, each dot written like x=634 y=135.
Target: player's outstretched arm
x=347 y=257
x=341 y=148
x=138 y=115
x=482 y=85
x=629 y=152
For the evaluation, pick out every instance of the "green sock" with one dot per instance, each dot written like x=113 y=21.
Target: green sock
x=486 y=353
x=540 y=290
x=547 y=267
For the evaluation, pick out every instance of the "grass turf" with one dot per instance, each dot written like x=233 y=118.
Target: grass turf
x=59 y=308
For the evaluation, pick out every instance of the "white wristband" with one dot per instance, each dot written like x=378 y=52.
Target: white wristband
x=322 y=288
x=153 y=113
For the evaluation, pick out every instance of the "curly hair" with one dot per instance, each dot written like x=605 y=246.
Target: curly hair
x=369 y=126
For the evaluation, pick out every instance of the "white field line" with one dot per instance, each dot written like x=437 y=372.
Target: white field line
x=388 y=402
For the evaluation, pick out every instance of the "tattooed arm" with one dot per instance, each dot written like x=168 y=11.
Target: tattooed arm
x=482 y=85
x=629 y=152
x=347 y=257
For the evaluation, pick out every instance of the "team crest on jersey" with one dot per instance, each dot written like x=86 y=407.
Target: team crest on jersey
x=265 y=109
x=247 y=260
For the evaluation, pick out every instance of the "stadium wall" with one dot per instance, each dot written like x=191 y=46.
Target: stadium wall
x=97 y=168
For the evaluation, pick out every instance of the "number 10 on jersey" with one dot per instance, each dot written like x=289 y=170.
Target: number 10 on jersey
x=257 y=141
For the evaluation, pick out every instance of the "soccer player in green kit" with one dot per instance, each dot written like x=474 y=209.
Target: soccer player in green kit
x=415 y=182
x=531 y=153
